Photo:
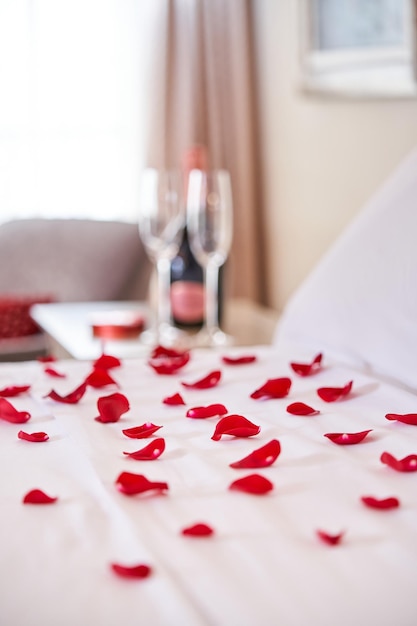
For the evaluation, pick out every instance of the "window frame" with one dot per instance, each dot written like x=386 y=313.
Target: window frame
x=378 y=72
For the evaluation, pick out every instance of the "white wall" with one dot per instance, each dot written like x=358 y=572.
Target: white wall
x=321 y=158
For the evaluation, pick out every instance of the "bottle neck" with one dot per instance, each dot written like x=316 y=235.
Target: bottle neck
x=195 y=158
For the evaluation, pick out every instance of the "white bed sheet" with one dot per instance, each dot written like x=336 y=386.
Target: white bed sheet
x=265 y=564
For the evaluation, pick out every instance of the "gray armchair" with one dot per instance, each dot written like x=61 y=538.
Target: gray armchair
x=68 y=260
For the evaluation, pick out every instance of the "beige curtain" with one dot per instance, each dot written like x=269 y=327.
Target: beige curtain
x=202 y=91
x=414 y=36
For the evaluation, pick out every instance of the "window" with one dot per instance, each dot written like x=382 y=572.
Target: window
x=73 y=106
x=359 y=47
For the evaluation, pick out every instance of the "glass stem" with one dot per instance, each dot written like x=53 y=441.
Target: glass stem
x=164 y=287
x=211 y=296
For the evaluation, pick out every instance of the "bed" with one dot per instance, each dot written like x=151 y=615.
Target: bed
x=236 y=487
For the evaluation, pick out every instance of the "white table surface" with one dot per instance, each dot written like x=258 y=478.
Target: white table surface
x=264 y=565
x=69 y=326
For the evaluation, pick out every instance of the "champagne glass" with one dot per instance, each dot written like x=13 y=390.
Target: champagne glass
x=210 y=226
x=161 y=225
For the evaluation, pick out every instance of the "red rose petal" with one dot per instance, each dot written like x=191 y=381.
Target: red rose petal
x=198 y=530
x=299 y=408
x=308 y=369
x=407 y=464
x=346 y=439
x=152 y=451
x=112 y=407
x=46 y=359
x=235 y=425
x=167 y=366
x=141 y=432
x=35 y=437
x=331 y=540
x=239 y=360
x=50 y=371
x=10 y=414
x=133 y=484
x=37 y=496
x=162 y=351
x=100 y=378
x=211 y=380
x=380 y=503
x=13 y=390
x=254 y=484
x=168 y=360
x=107 y=362
x=72 y=398
x=131 y=571
x=405 y=418
x=202 y=412
x=174 y=400
x=273 y=388
x=262 y=457
x=331 y=394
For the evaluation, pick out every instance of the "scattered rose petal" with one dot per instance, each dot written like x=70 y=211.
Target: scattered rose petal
x=202 y=412
x=308 y=369
x=407 y=464
x=239 y=360
x=13 y=390
x=106 y=362
x=331 y=394
x=208 y=381
x=346 y=439
x=299 y=408
x=330 y=539
x=50 y=371
x=405 y=418
x=162 y=351
x=133 y=484
x=168 y=366
x=10 y=414
x=141 y=432
x=152 y=451
x=174 y=400
x=235 y=425
x=131 y=571
x=37 y=496
x=254 y=483
x=168 y=360
x=71 y=398
x=198 y=530
x=35 y=437
x=262 y=457
x=46 y=359
x=112 y=407
x=100 y=378
x=273 y=388
x=380 y=503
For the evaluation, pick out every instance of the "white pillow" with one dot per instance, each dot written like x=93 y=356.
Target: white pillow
x=360 y=303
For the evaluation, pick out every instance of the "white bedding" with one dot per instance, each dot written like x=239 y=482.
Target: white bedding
x=360 y=302
x=264 y=565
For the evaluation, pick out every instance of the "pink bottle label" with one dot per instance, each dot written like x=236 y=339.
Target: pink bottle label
x=187 y=301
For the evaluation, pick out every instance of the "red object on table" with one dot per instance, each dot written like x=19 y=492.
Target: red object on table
x=15 y=320
x=118 y=325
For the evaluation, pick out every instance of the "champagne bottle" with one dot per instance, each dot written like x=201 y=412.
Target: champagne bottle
x=187 y=279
